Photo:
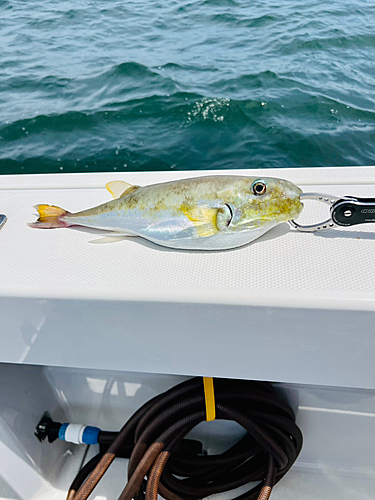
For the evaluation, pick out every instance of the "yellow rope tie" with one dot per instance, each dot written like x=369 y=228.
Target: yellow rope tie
x=209 y=394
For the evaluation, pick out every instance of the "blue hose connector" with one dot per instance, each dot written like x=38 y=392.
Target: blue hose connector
x=79 y=434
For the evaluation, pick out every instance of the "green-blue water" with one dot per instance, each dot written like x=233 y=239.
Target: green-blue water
x=91 y=85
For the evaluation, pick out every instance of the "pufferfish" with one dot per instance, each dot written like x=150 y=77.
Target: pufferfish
x=203 y=213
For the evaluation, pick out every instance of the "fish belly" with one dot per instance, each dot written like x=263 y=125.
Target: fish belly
x=224 y=240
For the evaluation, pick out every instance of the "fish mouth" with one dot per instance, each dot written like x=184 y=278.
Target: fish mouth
x=297 y=206
x=289 y=208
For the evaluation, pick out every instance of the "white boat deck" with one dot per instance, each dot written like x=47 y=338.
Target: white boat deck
x=290 y=306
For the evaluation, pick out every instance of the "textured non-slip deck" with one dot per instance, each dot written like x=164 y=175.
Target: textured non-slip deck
x=309 y=297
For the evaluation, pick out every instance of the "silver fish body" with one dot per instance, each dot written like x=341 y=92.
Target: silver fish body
x=203 y=213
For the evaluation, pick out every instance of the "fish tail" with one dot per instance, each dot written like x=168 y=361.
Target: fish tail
x=50 y=217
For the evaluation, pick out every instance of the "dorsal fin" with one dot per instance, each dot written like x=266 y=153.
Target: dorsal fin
x=130 y=190
x=118 y=189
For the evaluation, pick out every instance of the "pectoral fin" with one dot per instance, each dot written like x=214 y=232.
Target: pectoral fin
x=204 y=220
x=118 y=189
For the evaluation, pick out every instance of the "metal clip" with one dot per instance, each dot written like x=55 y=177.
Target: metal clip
x=327 y=224
x=3 y=220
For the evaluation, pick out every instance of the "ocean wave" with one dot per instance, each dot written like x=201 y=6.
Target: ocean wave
x=219 y=3
x=186 y=108
x=5 y=4
x=187 y=129
x=335 y=41
x=129 y=69
x=247 y=22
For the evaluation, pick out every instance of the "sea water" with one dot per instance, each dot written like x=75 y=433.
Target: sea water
x=90 y=85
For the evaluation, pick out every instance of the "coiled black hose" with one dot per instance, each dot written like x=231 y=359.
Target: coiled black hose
x=264 y=455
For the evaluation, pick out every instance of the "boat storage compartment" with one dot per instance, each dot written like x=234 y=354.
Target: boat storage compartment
x=89 y=332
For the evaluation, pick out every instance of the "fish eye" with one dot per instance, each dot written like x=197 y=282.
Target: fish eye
x=259 y=188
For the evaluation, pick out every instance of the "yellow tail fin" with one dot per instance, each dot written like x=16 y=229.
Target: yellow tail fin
x=49 y=217
x=45 y=211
